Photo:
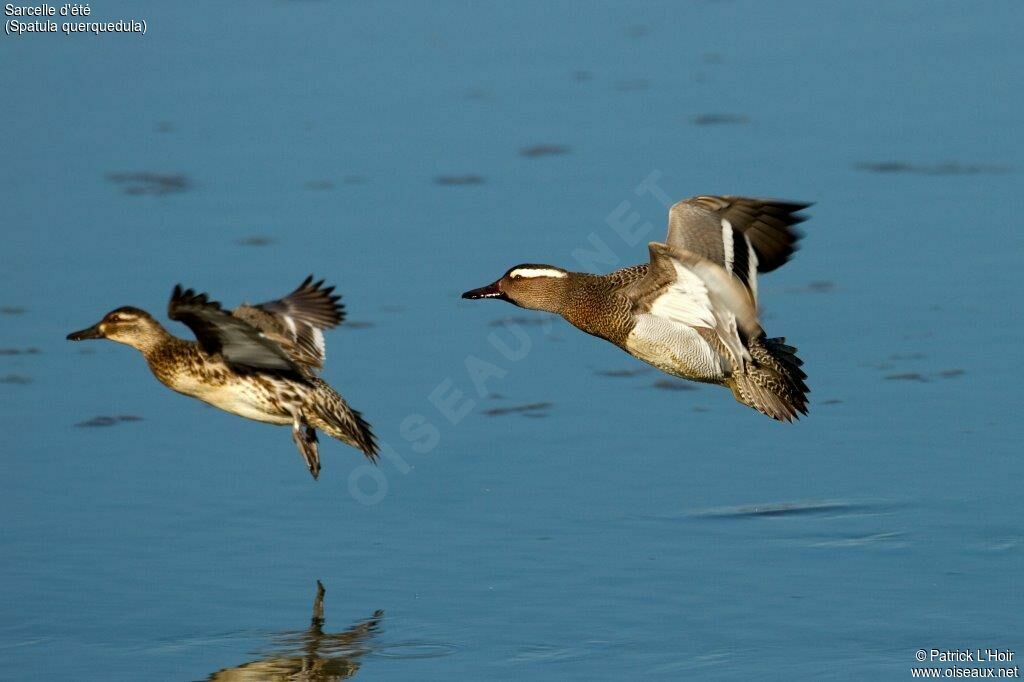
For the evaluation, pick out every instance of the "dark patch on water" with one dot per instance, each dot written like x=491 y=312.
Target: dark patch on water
x=255 y=240
x=392 y=308
x=358 y=324
x=831 y=401
x=164 y=127
x=780 y=509
x=673 y=385
x=621 y=373
x=907 y=376
x=633 y=85
x=528 y=410
x=948 y=168
x=712 y=58
x=150 y=183
x=637 y=31
x=319 y=185
x=12 y=310
x=354 y=180
x=458 y=180
x=720 y=119
x=18 y=379
x=539 y=150
x=20 y=351
x=109 y=421
x=581 y=75
x=821 y=286
x=951 y=373
x=917 y=355
x=701 y=408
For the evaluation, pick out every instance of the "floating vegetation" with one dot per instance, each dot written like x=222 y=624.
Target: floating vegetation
x=539 y=150
x=20 y=351
x=149 y=183
x=255 y=240
x=948 y=168
x=720 y=119
x=673 y=385
x=780 y=509
x=109 y=421
x=528 y=410
x=458 y=180
x=621 y=373
x=820 y=286
x=907 y=376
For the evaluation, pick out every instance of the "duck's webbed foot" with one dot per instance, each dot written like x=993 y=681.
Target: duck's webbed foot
x=304 y=436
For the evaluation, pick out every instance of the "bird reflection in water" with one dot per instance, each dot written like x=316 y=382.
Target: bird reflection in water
x=311 y=654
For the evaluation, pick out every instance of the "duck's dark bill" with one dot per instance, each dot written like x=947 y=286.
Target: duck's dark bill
x=92 y=332
x=489 y=291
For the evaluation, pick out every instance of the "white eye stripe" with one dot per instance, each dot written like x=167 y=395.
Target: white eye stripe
x=537 y=272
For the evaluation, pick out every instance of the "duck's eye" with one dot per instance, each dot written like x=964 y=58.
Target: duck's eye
x=516 y=275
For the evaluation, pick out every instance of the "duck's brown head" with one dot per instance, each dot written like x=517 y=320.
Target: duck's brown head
x=127 y=325
x=537 y=287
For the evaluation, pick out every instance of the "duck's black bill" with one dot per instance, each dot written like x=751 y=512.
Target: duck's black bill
x=489 y=291
x=92 y=332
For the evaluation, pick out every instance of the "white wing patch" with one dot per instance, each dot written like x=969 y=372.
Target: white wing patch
x=537 y=272
x=727 y=245
x=752 y=268
x=686 y=300
x=318 y=341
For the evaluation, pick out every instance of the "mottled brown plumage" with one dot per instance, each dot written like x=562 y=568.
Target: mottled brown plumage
x=691 y=311
x=259 y=362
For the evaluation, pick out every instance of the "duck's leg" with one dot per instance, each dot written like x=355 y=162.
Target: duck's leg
x=304 y=436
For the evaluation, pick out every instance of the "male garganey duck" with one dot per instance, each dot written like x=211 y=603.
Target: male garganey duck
x=692 y=311
x=257 y=361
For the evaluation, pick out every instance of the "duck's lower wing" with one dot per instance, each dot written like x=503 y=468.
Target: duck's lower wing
x=688 y=291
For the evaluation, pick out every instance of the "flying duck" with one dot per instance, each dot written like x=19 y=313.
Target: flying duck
x=258 y=361
x=692 y=311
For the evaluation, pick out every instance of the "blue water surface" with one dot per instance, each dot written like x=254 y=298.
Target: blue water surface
x=618 y=528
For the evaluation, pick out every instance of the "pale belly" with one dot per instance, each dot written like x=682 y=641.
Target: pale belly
x=674 y=349
x=245 y=398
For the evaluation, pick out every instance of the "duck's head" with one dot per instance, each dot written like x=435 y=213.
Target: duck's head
x=538 y=287
x=126 y=325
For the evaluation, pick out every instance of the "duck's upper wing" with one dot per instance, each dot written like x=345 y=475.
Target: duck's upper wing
x=218 y=331
x=295 y=321
x=688 y=289
x=743 y=235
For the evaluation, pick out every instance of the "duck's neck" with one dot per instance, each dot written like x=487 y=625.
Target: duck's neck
x=154 y=340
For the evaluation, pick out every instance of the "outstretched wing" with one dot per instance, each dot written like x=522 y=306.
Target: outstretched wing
x=743 y=235
x=296 y=321
x=688 y=289
x=241 y=344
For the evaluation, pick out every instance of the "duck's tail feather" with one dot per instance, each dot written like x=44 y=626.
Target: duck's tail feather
x=774 y=384
x=332 y=415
